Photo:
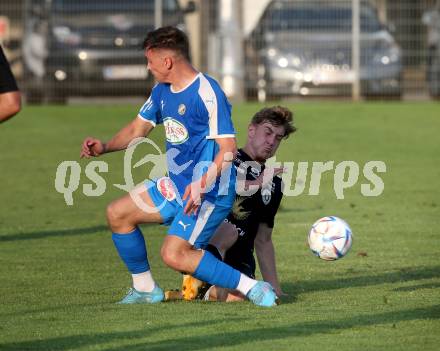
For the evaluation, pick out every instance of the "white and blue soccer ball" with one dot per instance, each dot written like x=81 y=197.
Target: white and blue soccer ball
x=330 y=238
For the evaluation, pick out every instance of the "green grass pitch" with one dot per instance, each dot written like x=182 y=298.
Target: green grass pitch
x=60 y=275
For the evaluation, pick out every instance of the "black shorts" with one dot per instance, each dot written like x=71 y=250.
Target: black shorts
x=7 y=80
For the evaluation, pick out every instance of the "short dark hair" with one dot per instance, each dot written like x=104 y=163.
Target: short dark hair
x=277 y=116
x=171 y=38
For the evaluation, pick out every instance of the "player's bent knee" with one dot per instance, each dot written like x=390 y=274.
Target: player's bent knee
x=173 y=259
x=169 y=257
x=110 y=213
x=114 y=215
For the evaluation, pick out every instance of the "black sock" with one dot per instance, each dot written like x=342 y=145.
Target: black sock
x=212 y=249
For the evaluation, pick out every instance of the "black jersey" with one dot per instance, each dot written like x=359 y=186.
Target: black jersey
x=7 y=81
x=248 y=212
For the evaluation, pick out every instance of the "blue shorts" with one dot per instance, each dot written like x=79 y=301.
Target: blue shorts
x=196 y=229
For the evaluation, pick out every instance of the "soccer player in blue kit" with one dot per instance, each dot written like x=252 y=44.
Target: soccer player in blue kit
x=200 y=190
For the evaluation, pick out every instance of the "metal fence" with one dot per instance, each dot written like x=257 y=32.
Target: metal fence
x=257 y=49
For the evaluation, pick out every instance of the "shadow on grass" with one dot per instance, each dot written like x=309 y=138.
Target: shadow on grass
x=399 y=276
x=418 y=287
x=203 y=341
x=52 y=233
x=284 y=208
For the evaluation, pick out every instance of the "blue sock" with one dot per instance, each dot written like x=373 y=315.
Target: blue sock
x=132 y=250
x=215 y=272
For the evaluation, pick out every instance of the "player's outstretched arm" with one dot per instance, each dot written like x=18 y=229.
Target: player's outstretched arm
x=266 y=257
x=92 y=147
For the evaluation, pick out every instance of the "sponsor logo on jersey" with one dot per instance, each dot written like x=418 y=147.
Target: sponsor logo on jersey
x=255 y=172
x=166 y=188
x=175 y=131
x=181 y=110
x=266 y=195
x=240 y=231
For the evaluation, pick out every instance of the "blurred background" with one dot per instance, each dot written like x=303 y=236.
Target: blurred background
x=257 y=49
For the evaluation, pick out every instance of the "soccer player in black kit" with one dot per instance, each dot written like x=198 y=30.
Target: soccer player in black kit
x=249 y=225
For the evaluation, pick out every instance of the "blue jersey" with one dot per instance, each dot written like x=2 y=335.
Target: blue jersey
x=193 y=118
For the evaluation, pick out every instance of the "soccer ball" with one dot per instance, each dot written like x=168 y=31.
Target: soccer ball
x=330 y=238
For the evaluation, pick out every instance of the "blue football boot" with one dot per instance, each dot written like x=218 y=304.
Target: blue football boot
x=134 y=296
x=262 y=294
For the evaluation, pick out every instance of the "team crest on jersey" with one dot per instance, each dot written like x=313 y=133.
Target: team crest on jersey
x=175 y=132
x=266 y=195
x=255 y=172
x=166 y=188
x=181 y=109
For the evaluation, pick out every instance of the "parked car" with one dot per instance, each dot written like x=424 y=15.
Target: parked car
x=89 y=47
x=304 y=48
